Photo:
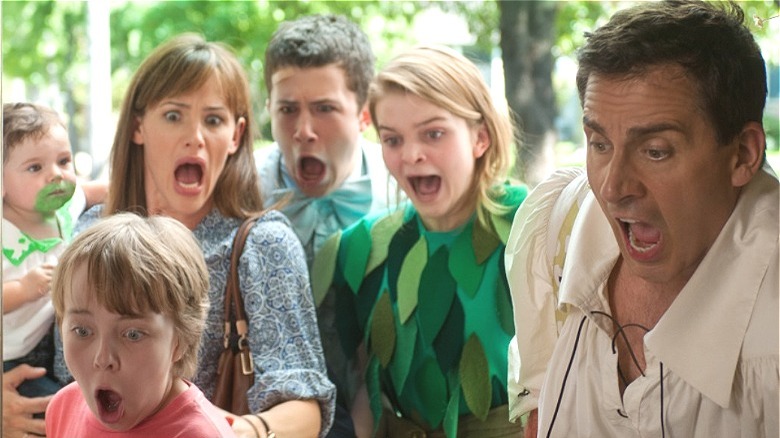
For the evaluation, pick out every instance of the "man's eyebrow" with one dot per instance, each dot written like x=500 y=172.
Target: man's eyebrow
x=635 y=131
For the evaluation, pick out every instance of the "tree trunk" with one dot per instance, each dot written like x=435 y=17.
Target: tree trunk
x=527 y=37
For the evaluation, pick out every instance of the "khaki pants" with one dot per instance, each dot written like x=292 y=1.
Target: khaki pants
x=496 y=425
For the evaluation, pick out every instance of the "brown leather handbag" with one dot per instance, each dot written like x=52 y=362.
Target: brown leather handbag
x=235 y=369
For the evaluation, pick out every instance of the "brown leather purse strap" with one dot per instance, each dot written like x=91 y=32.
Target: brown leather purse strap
x=232 y=288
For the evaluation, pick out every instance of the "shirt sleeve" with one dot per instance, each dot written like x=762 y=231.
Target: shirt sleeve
x=288 y=356
x=534 y=261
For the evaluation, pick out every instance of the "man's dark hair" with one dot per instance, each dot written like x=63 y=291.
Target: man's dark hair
x=709 y=41
x=320 y=40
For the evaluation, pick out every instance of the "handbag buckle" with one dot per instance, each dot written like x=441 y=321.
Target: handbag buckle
x=247 y=366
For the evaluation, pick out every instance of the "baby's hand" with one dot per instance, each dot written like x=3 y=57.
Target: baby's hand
x=37 y=282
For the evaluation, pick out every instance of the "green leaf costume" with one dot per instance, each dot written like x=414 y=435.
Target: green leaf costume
x=432 y=308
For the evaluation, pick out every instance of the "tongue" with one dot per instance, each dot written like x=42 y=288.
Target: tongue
x=189 y=174
x=428 y=184
x=311 y=168
x=645 y=234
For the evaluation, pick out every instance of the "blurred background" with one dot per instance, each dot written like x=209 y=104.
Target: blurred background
x=78 y=57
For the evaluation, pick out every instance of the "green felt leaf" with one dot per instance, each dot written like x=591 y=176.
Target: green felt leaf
x=356 y=257
x=475 y=377
x=463 y=265
x=323 y=267
x=504 y=303
x=383 y=330
x=406 y=341
x=437 y=290
x=400 y=245
x=452 y=415
x=502 y=227
x=485 y=242
x=432 y=388
x=409 y=278
x=366 y=299
x=449 y=343
x=347 y=325
x=381 y=234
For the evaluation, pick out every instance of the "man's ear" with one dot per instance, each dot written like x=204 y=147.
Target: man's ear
x=364 y=118
x=750 y=153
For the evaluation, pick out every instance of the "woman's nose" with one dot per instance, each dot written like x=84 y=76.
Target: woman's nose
x=196 y=135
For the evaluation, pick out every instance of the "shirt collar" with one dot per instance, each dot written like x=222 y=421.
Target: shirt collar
x=17 y=246
x=700 y=336
x=713 y=310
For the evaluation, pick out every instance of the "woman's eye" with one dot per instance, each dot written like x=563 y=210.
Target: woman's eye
x=435 y=134
x=172 y=116
x=214 y=120
x=134 y=335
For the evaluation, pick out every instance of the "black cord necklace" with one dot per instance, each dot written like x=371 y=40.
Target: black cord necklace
x=620 y=331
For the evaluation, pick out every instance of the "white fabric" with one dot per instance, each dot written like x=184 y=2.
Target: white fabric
x=717 y=343
x=25 y=326
x=533 y=259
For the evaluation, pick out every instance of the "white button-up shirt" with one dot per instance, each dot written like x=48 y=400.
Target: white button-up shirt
x=711 y=360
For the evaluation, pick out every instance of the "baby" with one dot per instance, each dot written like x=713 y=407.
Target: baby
x=41 y=201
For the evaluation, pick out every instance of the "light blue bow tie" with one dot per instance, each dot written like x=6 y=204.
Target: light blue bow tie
x=315 y=219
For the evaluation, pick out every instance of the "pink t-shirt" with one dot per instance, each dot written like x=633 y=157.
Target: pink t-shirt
x=188 y=415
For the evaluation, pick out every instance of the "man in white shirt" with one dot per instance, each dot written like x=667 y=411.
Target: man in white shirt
x=668 y=297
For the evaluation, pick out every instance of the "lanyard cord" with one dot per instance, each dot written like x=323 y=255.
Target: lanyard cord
x=620 y=331
x=566 y=376
x=663 y=430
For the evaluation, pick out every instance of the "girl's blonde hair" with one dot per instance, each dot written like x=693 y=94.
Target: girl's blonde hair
x=184 y=64
x=137 y=265
x=450 y=81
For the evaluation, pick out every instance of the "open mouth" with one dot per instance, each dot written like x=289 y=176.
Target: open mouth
x=311 y=170
x=109 y=405
x=189 y=175
x=641 y=237
x=425 y=185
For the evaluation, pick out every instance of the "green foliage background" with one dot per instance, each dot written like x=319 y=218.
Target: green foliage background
x=46 y=42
